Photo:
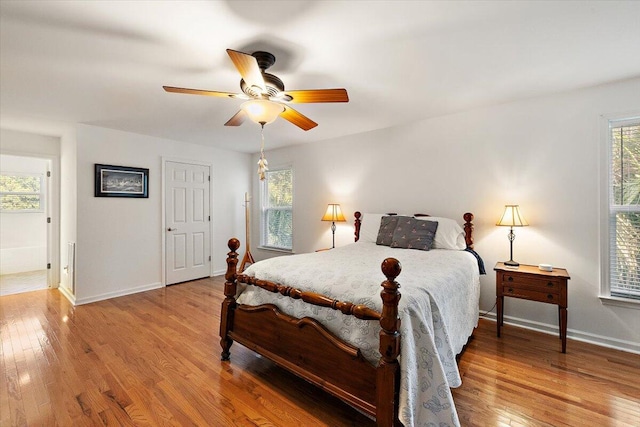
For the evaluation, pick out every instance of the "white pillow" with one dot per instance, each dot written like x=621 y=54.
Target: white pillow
x=369 y=227
x=449 y=234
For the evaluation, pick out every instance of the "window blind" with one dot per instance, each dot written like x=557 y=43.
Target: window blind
x=624 y=210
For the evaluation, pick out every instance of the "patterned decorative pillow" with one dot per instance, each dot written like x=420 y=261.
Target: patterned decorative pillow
x=411 y=233
x=449 y=236
x=387 y=227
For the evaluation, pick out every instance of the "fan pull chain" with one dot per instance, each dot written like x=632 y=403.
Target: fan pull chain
x=263 y=165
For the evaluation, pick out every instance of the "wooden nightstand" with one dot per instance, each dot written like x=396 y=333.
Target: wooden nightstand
x=530 y=283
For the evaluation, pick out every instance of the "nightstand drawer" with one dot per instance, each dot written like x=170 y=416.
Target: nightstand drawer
x=534 y=295
x=551 y=284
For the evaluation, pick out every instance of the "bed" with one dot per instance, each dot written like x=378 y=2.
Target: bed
x=318 y=315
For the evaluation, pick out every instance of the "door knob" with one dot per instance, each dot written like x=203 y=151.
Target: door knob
x=172 y=229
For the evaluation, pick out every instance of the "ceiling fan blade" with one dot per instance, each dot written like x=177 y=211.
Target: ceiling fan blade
x=202 y=92
x=248 y=68
x=317 y=95
x=303 y=122
x=237 y=119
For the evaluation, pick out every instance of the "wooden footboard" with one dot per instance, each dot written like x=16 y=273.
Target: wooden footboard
x=308 y=349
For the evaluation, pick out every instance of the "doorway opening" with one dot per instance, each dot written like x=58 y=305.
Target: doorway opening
x=25 y=224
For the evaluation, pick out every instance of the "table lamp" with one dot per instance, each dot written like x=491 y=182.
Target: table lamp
x=333 y=214
x=512 y=218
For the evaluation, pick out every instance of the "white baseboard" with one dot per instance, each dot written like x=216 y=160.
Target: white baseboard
x=67 y=294
x=121 y=293
x=219 y=273
x=601 y=340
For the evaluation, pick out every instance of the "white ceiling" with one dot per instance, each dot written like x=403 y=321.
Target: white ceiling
x=104 y=62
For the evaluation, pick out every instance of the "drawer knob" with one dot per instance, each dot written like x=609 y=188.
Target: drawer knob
x=550 y=296
x=550 y=284
x=510 y=290
x=510 y=279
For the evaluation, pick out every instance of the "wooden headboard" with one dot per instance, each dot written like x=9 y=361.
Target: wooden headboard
x=468 y=226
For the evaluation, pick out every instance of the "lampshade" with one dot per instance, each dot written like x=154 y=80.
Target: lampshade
x=262 y=111
x=512 y=217
x=333 y=213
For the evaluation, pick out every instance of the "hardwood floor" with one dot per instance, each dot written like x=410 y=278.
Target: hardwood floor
x=153 y=359
x=523 y=379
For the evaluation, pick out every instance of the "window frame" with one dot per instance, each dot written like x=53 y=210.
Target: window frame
x=606 y=124
x=264 y=198
x=41 y=194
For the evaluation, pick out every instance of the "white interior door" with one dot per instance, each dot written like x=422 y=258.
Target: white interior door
x=187 y=222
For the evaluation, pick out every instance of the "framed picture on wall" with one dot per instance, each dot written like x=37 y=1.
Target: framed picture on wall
x=121 y=181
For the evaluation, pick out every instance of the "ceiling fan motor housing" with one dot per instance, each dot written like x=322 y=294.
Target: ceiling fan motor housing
x=273 y=84
x=265 y=59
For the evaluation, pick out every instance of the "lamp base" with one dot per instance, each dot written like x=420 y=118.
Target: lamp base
x=511 y=263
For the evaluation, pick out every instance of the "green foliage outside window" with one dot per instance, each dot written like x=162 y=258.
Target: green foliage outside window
x=20 y=193
x=625 y=165
x=277 y=211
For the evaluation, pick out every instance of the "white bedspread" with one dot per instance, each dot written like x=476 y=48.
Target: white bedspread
x=438 y=310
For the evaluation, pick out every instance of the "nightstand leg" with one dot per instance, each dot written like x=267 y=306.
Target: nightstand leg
x=562 y=312
x=499 y=318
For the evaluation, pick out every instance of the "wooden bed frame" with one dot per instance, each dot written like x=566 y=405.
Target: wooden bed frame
x=306 y=348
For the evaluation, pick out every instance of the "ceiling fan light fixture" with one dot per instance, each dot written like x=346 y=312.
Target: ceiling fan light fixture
x=262 y=111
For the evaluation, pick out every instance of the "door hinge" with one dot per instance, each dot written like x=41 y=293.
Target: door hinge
x=209 y=178
x=209 y=257
x=49 y=266
x=48 y=220
x=48 y=174
x=209 y=217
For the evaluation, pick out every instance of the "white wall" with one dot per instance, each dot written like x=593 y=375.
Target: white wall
x=119 y=240
x=26 y=143
x=68 y=209
x=540 y=153
x=23 y=235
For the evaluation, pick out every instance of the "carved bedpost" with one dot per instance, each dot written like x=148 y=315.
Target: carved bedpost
x=357 y=224
x=388 y=371
x=468 y=229
x=229 y=303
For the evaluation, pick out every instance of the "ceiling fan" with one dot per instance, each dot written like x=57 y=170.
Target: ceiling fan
x=265 y=93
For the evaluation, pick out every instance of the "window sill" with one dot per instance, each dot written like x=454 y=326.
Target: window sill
x=620 y=302
x=284 y=251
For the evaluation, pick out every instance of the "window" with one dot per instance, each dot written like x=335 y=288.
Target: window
x=623 y=222
x=21 y=192
x=276 y=220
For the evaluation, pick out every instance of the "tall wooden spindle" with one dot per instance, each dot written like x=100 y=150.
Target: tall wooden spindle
x=468 y=229
x=229 y=303
x=388 y=371
x=247 y=258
